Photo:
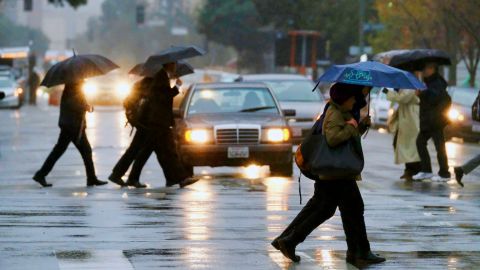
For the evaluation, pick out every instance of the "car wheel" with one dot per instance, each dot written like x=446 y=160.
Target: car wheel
x=285 y=169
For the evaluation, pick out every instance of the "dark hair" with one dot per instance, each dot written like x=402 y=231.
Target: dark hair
x=341 y=92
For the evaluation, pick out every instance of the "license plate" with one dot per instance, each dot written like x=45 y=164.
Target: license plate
x=238 y=152
x=296 y=132
x=476 y=128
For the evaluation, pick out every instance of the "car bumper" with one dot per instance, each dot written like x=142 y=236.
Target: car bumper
x=217 y=155
x=10 y=101
x=462 y=131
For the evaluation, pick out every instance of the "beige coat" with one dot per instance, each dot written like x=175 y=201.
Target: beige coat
x=407 y=124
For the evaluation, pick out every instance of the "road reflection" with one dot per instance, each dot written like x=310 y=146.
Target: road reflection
x=197 y=211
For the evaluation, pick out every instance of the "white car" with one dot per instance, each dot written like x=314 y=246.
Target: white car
x=12 y=93
x=379 y=108
x=294 y=93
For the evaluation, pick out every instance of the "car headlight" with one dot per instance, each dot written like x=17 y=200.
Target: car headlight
x=278 y=134
x=89 y=89
x=455 y=115
x=199 y=136
x=18 y=91
x=122 y=89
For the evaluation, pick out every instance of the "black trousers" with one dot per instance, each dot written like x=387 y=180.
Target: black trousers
x=130 y=154
x=329 y=195
x=64 y=140
x=439 y=141
x=164 y=146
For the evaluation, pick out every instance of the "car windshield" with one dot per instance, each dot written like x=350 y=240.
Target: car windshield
x=464 y=97
x=294 y=90
x=232 y=100
x=5 y=83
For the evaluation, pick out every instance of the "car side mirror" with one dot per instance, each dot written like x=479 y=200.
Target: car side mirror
x=289 y=112
x=177 y=113
x=2 y=95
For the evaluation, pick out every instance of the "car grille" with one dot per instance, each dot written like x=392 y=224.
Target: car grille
x=237 y=136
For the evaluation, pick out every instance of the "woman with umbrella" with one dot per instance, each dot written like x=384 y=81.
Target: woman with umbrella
x=73 y=107
x=339 y=126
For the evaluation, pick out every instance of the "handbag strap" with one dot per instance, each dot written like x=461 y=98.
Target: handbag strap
x=300 y=188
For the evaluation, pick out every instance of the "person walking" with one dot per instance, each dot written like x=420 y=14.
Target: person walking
x=406 y=129
x=434 y=103
x=160 y=132
x=338 y=126
x=72 y=125
x=134 y=105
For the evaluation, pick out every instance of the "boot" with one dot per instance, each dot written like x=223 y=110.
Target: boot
x=188 y=181
x=287 y=247
x=117 y=180
x=135 y=184
x=95 y=182
x=41 y=180
x=363 y=258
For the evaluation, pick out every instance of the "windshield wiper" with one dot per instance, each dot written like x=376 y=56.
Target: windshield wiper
x=255 y=109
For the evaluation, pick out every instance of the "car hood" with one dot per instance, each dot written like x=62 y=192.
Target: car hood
x=211 y=120
x=303 y=109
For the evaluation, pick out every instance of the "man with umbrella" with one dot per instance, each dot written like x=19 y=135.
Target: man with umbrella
x=434 y=103
x=159 y=122
x=73 y=107
x=134 y=110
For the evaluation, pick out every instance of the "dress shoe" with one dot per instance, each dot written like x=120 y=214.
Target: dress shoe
x=116 y=180
x=288 y=249
x=459 y=175
x=360 y=258
x=188 y=181
x=41 y=180
x=96 y=182
x=135 y=184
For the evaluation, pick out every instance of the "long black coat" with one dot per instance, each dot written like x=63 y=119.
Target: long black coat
x=73 y=107
x=433 y=103
x=159 y=106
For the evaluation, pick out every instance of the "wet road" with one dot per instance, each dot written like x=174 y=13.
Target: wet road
x=225 y=221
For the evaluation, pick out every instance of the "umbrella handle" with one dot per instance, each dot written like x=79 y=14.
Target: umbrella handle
x=368 y=115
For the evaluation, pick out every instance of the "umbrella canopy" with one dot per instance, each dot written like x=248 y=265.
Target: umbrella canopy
x=373 y=74
x=416 y=59
x=183 y=68
x=385 y=57
x=155 y=62
x=77 y=68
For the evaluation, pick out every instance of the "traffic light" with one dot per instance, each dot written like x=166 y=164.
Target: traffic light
x=27 y=5
x=140 y=14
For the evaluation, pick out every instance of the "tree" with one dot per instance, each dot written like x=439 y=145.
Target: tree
x=448 y=24
x=17 y=35
x=234 y=23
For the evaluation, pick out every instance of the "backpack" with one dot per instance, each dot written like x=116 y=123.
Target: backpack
x=134 y=105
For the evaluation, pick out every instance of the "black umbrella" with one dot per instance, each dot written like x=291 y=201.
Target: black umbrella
x=183 y=68
x=76 y=68
x=417 y=58
x=155 y=62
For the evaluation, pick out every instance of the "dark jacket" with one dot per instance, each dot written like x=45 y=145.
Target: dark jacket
x=159 y=104
x=135 y=102
x=73 y=107
x=434 y=103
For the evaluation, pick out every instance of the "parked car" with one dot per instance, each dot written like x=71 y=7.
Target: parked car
x=110 y=89
x=294 y=92
x=13 y=93
x=460 y=115
x=379 y=108
x=233 y=124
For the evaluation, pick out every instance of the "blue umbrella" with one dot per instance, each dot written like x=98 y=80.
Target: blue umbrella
x=373 y=74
